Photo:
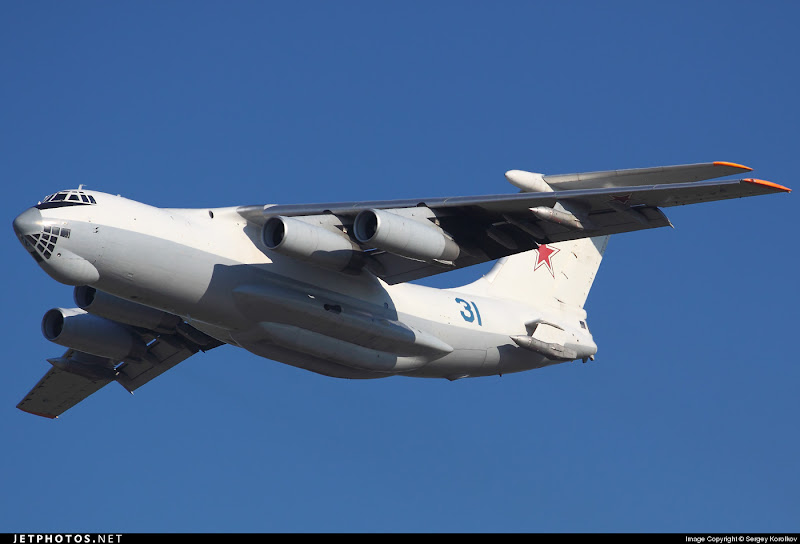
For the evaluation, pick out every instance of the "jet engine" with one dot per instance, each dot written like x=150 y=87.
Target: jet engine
x=413 y=238
x=306 y=242
x=75 y=328
x=124 y=311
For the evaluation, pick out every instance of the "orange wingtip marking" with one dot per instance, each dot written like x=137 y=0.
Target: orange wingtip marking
x=768 y=184
x=733 y=164
x=48 y=416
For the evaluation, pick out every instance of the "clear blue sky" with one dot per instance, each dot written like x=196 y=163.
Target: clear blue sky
x=687 y=421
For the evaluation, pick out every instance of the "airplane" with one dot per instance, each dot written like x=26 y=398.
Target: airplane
x=327 y=287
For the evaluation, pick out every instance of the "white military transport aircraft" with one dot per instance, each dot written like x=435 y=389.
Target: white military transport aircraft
x=324 y=287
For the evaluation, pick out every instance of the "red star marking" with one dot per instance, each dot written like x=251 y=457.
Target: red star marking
x=543 y=257
x=623 y=199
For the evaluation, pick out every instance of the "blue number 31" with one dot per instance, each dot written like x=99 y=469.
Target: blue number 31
x=467 y=313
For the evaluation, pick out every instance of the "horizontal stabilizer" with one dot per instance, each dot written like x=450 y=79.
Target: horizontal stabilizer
x=551 y=350
x=646 y=176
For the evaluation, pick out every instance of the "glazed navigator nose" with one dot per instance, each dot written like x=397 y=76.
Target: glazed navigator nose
x=28 y=222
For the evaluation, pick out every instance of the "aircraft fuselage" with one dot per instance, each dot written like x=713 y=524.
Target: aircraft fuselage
x=210 y=267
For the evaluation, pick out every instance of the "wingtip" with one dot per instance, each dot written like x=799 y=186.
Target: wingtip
x=733 y=165
x=48 y=416
x=767 y=184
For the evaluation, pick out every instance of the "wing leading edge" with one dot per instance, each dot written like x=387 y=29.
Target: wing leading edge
x=76 y=375
x=489 y=227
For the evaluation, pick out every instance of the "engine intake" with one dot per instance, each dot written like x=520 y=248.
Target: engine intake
x=316 y=245
x=413 y=238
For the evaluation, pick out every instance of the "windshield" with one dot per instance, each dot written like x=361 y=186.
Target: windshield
x=66 y=198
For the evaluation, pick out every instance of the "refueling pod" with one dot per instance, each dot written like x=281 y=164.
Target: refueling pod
x=529 y=182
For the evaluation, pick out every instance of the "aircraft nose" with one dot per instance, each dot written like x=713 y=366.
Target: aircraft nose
x=28 y=222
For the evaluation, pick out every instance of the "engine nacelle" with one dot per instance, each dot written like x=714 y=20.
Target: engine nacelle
x=124 y=311
x=75 y=328
x=306 y=242
x=413 y=238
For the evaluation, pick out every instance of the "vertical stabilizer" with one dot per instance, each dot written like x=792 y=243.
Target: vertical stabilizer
x=562 y=272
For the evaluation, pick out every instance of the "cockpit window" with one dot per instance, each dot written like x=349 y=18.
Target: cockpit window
x=66 y=198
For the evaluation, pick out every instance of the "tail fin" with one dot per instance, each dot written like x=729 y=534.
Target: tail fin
x=564 y=271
